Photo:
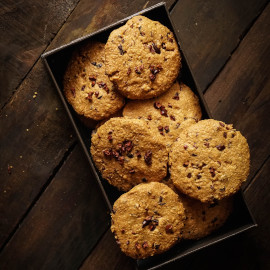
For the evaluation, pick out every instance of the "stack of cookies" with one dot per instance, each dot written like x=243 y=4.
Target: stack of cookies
x=179 y=172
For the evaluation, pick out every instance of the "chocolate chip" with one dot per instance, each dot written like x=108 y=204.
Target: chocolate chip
x=144 y=180
x=110 y=138
x=148 y=157
x=169 y=105
x=176 y=96
x=212 y=171
x=152 y=77
x=127 y=242
x=145 y=245
x=96 y=65
x=222 y=124
x=141 y=32
x=146 y=221
x=96 y=93
x=185 y=147
x=83 y=87
x=137 y=245
x=172 y=117
x=166 y=129
x=92 y=78
x=198 y=187
x=157 y=50
x=185 y=164
x=121 y=160
x=189 y=175
x=138 y=154
x=129 y=71
x=137 y=70
x=89 y=96
x=93 y=83
x=225 y=135
x=194 y=155
x=199 y=176
x=163 y=46
x=123 y=231
x=72 y=90
x=156 y=246
x=128 y=145
x=149 y=117
x=121 y=49
x=107 y=153
x=132 y=171
x=130 y=155
x=157 y=105
x=220 y=147
x=169 y=228
x=160 y=128
x=206 y=144
x=163 y=111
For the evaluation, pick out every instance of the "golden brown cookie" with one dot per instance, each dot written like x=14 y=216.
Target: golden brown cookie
x=127 y=153
x=147 y=220
x=87 y=87
x=168 y=114
x=142 y=58
x=209 y=161
x=204 y=218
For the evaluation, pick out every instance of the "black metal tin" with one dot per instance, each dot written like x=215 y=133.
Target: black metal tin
x=56 y=62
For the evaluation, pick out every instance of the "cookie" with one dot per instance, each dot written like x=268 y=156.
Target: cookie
x=142 y=58
x=204 y=218
x=147 y=220
x=168 y=114
x=127 y=153
x=209 y=161
x=87 y=87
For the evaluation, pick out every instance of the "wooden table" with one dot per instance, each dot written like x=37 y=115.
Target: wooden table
x=52 y=214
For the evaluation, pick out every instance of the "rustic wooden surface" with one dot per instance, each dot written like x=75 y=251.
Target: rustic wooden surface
x=52 y=215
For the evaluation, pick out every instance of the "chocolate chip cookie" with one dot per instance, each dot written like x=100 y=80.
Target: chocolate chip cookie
x=209 y=161
x=142 y=58
x=147 y=220
x=127 y=153
x=87 y=87
x=168 y=114
x=204 y=218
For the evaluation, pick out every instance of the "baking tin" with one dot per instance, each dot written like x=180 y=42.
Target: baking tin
x=56 y=61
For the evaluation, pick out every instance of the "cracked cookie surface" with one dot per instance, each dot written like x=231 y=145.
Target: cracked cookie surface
x=169 y=114
x=87 y=87
x=147 y=220
x=209 y=161
x=127 y=153
x=142 y=58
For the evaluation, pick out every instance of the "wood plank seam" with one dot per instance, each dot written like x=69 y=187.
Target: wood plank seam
x=172 y=6
x=25 y=76
x=256 y=174
x=47 y=183
x=90 y=251
x=241 y=37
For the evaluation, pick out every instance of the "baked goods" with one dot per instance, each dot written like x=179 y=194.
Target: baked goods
x=87 y=87
x=127 y=153
x=204 y=218
x=170 y=113
x=147 y=220
x=209 y=161
x=142 y=58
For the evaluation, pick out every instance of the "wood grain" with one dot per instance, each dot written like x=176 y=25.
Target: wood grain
x=64 y=225
x=241 y=93
x=35 y=135
x=210 y=31
x=26 y=28
x=108 y=256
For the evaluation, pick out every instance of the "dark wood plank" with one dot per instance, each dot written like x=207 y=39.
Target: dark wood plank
x=34 y=138
x=64 y=224
x=210 y=30
x=92 y=15
x=241 y=93
x=26 y=28
x=108 y=256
